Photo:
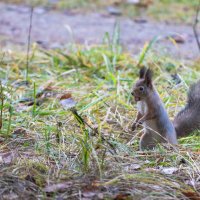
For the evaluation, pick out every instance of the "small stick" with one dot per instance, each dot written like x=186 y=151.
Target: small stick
x=29 y=41
x=1 y=97
x=2 y=104
x=83 y=122
x=195 y=26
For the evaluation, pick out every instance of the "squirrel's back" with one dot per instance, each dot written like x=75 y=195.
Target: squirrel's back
x=188 y=119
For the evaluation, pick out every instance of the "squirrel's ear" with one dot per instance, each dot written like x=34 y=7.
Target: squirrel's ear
x=148 y=77
x=142 y=72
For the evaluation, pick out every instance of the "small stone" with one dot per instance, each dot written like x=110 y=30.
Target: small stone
x=140 y=21
x=178 y=38
x=133 y=1
x=113 y=10
x=39 y=10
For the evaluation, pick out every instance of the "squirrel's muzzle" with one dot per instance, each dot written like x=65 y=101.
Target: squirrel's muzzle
x=136 y=97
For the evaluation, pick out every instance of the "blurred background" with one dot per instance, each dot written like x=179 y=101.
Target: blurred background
x=57 y=23
x=66 y=109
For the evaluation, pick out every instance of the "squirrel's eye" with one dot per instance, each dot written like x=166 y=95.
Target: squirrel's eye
x=141 y=88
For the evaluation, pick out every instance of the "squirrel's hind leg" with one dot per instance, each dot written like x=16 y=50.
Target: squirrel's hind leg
x=147 y=142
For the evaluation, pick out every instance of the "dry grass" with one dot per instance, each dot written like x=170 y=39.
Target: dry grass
x=49 y=152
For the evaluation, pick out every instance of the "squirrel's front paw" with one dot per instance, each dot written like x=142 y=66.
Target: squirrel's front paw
x=140 y=122
x=134 y=126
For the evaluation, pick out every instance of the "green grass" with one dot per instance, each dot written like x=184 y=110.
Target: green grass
x=92 y=148
x=160 y=10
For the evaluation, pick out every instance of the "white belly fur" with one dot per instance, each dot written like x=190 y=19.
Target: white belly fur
x=148 y=124
x=142 y=107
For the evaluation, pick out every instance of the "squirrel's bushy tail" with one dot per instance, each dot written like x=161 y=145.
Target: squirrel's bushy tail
x=188 y=119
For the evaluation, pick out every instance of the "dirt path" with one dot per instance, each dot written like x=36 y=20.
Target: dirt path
x=51 y=29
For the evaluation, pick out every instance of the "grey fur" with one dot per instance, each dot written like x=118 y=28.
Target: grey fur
x=188 y=119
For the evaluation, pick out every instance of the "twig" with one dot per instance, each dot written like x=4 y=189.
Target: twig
x=195 y=26
x=29 y=41
x=2 y=104
x=1 y=96
x=83 y=122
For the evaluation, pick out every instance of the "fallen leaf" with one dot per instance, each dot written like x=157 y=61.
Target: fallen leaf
x=49 y=90
x=20 y=132
x=133 y=167
x=7 y=158
x=66 y=96
x=89 y=194
x=67 y=101
x=122 y=197
x=192 y=195
x=59 y=187
x=151 y=170
x=169 y=170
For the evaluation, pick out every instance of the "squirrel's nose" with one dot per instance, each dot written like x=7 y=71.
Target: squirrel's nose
x=132 y=93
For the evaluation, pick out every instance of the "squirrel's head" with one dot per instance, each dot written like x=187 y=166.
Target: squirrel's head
x=143 y=86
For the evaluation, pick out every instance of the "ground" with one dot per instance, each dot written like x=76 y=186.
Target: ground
x=48 y=149
x=53 y=29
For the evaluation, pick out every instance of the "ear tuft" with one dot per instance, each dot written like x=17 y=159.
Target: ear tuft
x=142 y=72
x=148 y=77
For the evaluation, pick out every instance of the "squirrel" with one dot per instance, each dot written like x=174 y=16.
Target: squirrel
x=152 y=114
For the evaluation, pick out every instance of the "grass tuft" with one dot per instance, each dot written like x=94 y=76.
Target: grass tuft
x=89 y=150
